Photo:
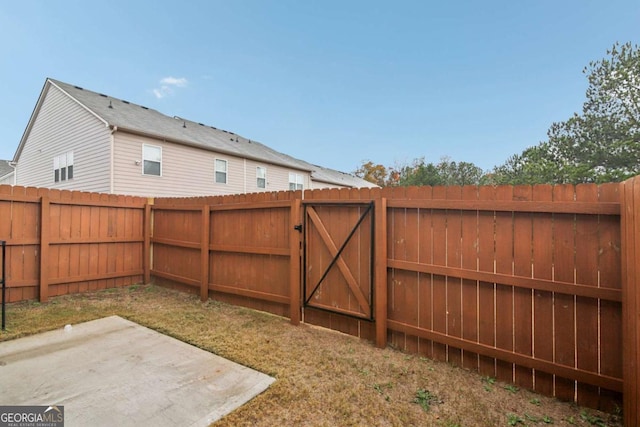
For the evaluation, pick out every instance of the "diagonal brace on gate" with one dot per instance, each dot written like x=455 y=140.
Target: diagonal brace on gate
x=337 y=258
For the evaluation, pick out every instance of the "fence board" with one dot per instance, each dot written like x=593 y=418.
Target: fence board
x=631 y=306
x=454 y=284
x=469 y=261
x=439 y=244
x=609 y=261
x=504 y=240
x=486 y=290
x=543 y=300
x=523 y=298
x=564 y=247
x=587 y=309
x=425 y=281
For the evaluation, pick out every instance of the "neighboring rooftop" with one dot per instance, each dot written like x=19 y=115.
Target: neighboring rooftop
x=135 y=118
x=5 y=168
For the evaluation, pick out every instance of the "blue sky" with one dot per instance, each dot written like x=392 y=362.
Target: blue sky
x=331 y=82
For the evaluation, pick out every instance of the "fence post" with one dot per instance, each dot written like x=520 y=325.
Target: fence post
x=294 y=267
x=146 y=250
x=204 y=253
x=380 y=276
x=630 y=222
x=44 y=248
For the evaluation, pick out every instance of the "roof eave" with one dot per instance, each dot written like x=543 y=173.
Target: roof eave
x=27 y=130
x=203 y=147
x=36 y=110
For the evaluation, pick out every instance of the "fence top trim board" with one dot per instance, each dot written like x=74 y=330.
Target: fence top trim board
x=602 y=208
x=65 y=197
x=225 y=207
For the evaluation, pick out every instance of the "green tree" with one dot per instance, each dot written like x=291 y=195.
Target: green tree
x=446 y=172
x=374 y=173
x=601 y=144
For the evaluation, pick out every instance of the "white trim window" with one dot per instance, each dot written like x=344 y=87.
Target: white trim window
x=295 y=181
x=151 y=160
x=220 y=170
x=63 y=167
x=261 y=177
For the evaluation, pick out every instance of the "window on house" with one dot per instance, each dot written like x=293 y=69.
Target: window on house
x=221 y=171
x=63 y=167
x=295 y=181
x=261 y=177
x=151 y=160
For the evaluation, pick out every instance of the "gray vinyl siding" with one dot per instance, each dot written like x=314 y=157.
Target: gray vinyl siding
x=7 y=179
x=61 y=126
x=187 y=171
x=178 y=168
x=277 y=177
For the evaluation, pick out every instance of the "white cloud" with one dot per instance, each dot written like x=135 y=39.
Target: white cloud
x=174 y=81
x=167 y=84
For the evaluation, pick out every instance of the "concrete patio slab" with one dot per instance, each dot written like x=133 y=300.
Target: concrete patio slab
x=112 y=371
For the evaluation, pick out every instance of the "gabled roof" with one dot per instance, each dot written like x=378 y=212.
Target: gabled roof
x=5 y=168
x=147 y=121
x=332 y=176
x=134 y=118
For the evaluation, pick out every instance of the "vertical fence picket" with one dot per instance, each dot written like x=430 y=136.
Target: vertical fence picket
x=380 y=274
x=425 y=256
x=44 y=247
x=30 y=260
x=295 y=285
x=522 y=298
x=504 y=294
x=486 y=290
x=412 y=283
x=587 y=246
x=469 y=245
x=399 y=279
x=439 y=235
x=610 y=277
x=543 y=300
x=564 y=305
x=631 y=298
x=204 y=253
x=15 y=221
x=454 y=284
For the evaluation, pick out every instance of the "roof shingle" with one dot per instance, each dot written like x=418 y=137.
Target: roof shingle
x=139 y=119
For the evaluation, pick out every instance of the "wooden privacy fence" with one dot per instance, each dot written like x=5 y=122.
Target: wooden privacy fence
x=238 y=247
x=518 y=283
x=61 y=242
x=534 y=285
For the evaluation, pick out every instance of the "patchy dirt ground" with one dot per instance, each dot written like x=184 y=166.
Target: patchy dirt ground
x=323 y=378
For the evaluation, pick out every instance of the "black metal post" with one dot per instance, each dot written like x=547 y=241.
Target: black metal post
x=4 y=282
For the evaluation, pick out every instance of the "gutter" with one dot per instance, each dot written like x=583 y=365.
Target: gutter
x=221 y=151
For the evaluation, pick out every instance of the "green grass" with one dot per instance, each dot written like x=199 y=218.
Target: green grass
x=323 y=378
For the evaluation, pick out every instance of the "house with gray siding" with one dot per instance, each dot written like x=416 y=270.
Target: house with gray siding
x=77 y=139
x=6 y=172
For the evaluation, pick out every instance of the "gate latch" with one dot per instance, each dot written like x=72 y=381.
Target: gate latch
x=298 y=227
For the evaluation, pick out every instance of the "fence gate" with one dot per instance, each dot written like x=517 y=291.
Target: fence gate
x=338 y=257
